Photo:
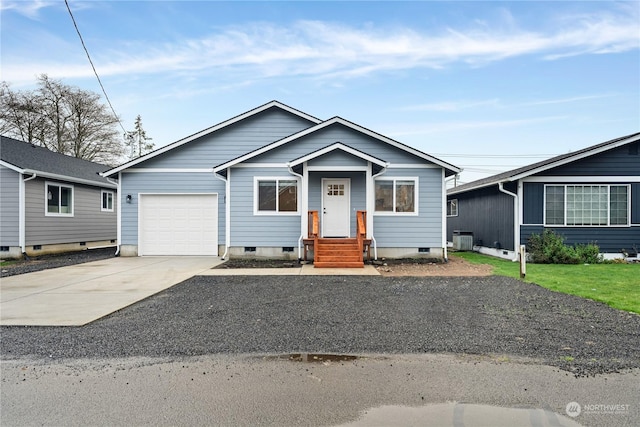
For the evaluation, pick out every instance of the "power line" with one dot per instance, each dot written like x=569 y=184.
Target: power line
x=94 y=68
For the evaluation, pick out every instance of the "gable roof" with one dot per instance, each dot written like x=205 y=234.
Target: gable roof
x=210 y=130
x=23 y=157
x=447 y=166
x=342 y=147
x=535 y=168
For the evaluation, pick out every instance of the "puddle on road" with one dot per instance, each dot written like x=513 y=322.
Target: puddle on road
x=314 y=357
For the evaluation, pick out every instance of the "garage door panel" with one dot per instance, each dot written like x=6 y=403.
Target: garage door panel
x=178 y=224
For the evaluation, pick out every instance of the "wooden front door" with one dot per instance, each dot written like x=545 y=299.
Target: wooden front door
x=336 y=196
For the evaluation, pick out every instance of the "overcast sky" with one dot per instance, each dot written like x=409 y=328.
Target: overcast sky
x=487 y=86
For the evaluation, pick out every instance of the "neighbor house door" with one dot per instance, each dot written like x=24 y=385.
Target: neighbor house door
x=335 y=207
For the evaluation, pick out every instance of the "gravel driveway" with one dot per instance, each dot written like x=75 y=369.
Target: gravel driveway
x=355 y=315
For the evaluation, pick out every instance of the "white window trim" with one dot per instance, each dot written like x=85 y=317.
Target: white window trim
x=256 y=181
x=113 y=201
x=416 y=201
x=608 y=225
x=46 y=199
x=449 y=201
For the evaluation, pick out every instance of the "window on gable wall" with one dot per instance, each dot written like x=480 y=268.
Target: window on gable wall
x=587 y=205
x=277 y=195
x=107 y=201
x=397 y=195
x=59 y=199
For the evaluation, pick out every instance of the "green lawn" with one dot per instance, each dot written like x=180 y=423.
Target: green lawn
x=617 y=285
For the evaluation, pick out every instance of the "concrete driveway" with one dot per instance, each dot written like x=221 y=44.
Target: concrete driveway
x=79 y=294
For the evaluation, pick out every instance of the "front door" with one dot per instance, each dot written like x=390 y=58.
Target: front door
x=335 y=207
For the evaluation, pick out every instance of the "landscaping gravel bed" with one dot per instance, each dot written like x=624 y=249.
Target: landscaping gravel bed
x=46 y=262
x=351 y=315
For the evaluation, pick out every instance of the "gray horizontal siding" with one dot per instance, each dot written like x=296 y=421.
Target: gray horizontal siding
x=617 y=162
x=610 y=239
x=158 y=183
x=425 y=230
x=232 y=141
x=488 y=214
x=337 y=158
x=331 y=135
x=248 y=229
x=9 y=207
x=88 y=223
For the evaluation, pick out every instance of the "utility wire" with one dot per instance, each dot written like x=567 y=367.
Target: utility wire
x=92 y=66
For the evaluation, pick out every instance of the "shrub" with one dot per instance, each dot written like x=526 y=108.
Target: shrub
x=549 y=248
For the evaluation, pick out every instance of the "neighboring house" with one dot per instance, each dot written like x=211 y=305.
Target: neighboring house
x=268 y=182
x=591 y=195
x=50 y=202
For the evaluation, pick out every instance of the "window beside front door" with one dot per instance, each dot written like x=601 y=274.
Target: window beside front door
x=276 y=196
x=59 y=199
x=396 y=196
x=587 y=205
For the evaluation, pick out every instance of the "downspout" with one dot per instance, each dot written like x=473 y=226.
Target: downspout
x=118 y=214
x=291 y=171
x=373 y=239
x=227 y=211
x=22 y=215
x=516 y=226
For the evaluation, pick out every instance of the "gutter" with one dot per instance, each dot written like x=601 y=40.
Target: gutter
x=516 y=225
x=22 y=214
x=227 y=211
x=301 y=217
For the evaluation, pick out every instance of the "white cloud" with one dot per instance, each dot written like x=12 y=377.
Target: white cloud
x=329 y=50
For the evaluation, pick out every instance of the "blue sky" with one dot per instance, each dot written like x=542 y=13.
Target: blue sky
x=488 y=86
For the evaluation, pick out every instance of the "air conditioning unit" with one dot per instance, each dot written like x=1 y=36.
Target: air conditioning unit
x=462 y=240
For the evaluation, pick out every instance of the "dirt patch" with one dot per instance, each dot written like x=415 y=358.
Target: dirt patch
x=387 y=267
x=456 y=267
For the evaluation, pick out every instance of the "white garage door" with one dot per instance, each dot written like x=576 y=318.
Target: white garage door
x=178 y=224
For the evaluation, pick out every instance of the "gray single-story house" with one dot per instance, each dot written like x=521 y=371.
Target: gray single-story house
x=591 y=195
x=277 y=182
x=50 y=202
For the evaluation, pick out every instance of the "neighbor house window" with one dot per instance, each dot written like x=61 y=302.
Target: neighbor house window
x=396 y=195
x=587 y=205
x=59 y=199
x=276 y=195
x=107 y=201
x=452 y=207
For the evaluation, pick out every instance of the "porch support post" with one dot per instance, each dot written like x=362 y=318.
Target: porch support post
x=304 y=198
x=370 y=200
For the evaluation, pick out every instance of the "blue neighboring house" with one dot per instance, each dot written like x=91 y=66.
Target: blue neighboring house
x=277 y=182
x=591 y=195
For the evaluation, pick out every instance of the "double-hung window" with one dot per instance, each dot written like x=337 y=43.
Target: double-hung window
x=452 y=207
x=276 y=196
x=396 y=196
x=107 y=201
x=587 y=205
x=59 y=199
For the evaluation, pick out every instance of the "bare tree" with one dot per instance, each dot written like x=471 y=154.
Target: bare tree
x=137 y=140
x=62 y=118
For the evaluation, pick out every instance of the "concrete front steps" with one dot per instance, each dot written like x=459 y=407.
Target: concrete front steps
x=338 y=253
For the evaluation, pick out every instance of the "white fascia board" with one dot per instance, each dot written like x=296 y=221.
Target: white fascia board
x=208 y=131
x=12 y=167
x=348 y=124
x=70 y=179
x=579 y=156
x=338 y=146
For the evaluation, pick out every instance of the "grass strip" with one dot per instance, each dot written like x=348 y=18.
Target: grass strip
x=617 y=285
